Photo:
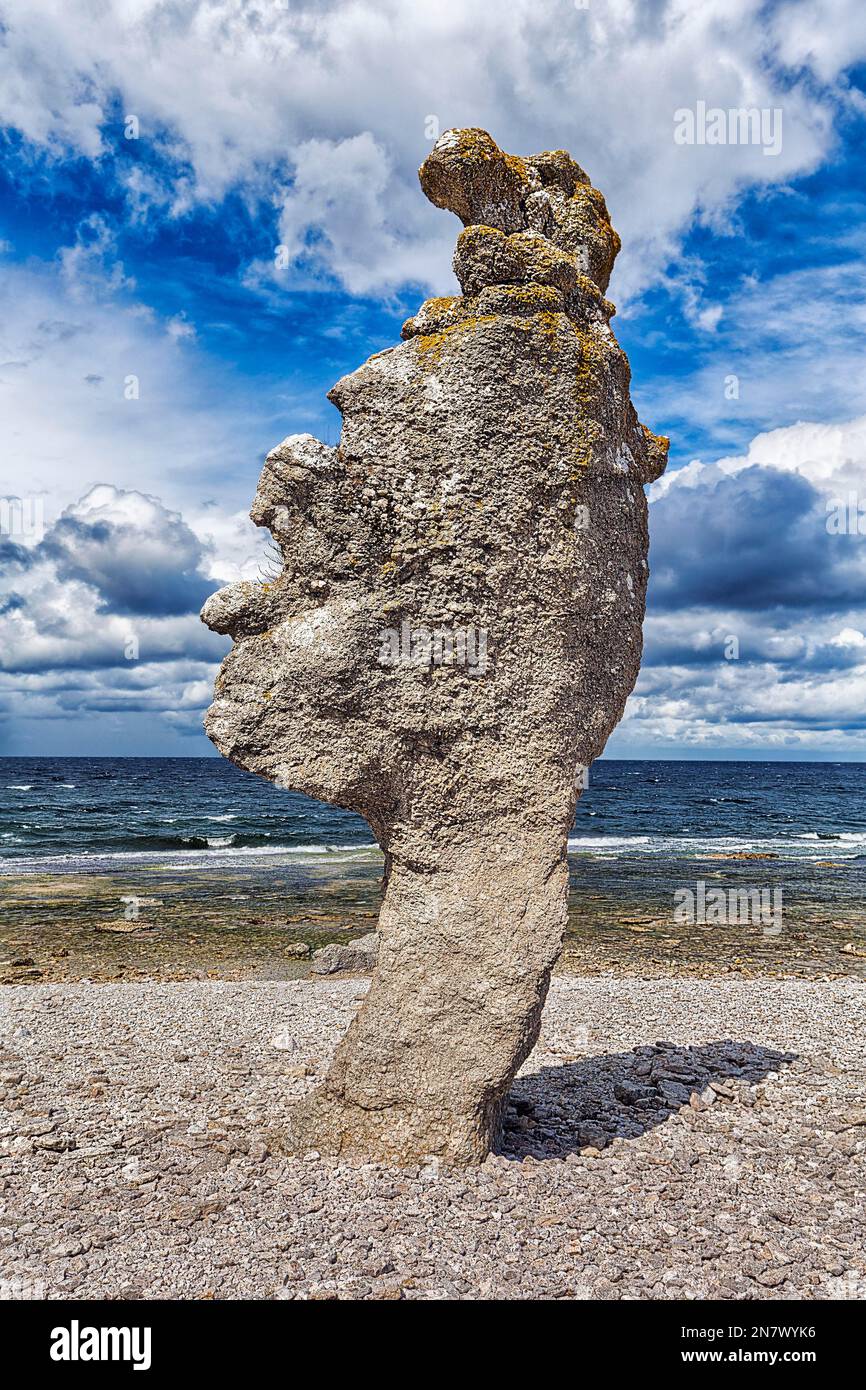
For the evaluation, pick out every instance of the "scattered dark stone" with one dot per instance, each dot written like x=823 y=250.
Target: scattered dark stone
x=630 y=1094
x=674 y=1094
x=592 y=1136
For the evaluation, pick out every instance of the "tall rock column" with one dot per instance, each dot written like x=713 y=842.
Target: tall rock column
x=452 y=638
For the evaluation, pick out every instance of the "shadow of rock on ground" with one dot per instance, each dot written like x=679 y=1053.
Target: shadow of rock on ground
x=564 y=1109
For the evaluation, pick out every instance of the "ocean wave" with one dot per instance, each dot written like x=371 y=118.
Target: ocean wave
x=808 y=844
x=195 y=853
x=138 y=844
x=607 y=841
x=347 y=854
x=20 y=787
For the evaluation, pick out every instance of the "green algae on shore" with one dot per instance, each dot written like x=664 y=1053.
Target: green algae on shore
x=254 y=923
x=158 y=924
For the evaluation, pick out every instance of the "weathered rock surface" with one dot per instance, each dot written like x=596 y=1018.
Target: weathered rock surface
x=360 y=954
x=452 y=638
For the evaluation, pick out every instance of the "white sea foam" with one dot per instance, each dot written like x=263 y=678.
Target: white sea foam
x=171 y=859
x=608 y=841
x=808 y=845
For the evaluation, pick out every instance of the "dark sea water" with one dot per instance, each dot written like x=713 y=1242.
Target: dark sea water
x=93 y=814
x=203 y=850
x=89 y=814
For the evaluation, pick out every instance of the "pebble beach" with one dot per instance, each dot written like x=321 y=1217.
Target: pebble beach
x=684 y=1139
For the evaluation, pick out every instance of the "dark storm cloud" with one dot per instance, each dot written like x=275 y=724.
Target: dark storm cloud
x=700 y=638
x=145 y=565
x=755 y=540
x=14 y=557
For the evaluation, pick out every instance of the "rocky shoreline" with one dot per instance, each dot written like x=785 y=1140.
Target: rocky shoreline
x=192 y=938
x=696 y=1139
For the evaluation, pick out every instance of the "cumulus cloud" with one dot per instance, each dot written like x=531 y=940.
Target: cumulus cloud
x=348 y=214
x=117 y=569
x=138 y=556
x=100 y=616
x=753 y=539
x=332 y=100
x=832 y=457
x=757 y=611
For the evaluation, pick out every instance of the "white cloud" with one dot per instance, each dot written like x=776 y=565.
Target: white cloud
x=91 y=267
x=849 y=637
x=372 y=232
x=139 y=556
x=832 y=457
x=709 y=316
x=317 y=90
x=101 y=617
x=69 y=344
x=236 y=549
x=179 y=328
x=117 y=579
x=797 y=679
x=819 y=34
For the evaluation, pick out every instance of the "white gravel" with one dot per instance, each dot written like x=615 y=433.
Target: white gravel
x=141 y=1150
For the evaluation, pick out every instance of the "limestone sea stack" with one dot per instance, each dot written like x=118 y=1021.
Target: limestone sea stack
x=453 y=636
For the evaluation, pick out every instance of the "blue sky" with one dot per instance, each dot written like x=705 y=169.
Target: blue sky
x=262 y=125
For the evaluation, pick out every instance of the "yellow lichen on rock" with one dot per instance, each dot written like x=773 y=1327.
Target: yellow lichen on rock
x=490 y=479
